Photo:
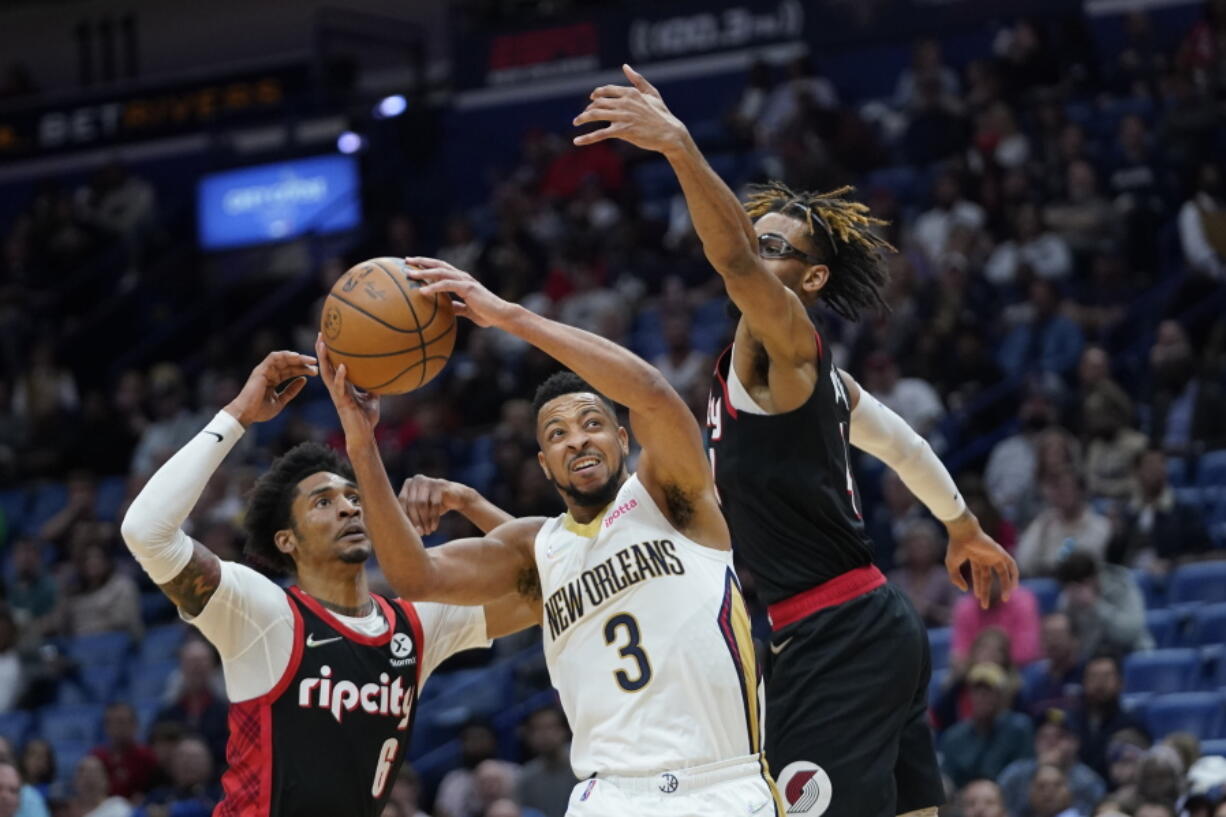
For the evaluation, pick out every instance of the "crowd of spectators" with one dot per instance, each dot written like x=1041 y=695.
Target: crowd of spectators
x=1055 y=331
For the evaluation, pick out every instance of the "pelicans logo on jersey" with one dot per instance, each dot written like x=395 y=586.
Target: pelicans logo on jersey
x=806 y=788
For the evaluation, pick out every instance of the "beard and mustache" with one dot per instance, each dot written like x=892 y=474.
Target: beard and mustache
x=595 y=498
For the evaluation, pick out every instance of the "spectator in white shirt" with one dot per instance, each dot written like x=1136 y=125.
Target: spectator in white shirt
x=950 y=213
x=1044 y=252
x=1065 y=525
x=1202 y=224
x=911 y=398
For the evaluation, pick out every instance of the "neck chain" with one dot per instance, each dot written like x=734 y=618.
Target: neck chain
x=364 y=609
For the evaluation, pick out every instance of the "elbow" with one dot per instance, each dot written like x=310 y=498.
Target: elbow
x=134 y=529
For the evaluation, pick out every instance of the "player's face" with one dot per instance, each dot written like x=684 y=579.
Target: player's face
x=583 y=450
x=328 y=525
x=798 y=274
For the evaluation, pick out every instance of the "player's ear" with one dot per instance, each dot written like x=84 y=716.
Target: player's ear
x=815 y=278
x=540 y=458
x=623 y=437
x=285 y=541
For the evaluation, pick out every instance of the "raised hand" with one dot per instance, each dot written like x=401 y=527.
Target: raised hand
x=426 y=499
x=478 y=304
x=969 y=543
x=636 y=114
x=275 y=381
x=358 y=410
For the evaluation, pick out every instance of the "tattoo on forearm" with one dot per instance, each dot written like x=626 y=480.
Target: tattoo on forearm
x=528 y=584
x=196 y=583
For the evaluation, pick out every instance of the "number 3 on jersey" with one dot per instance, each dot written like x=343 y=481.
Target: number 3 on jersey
x=631 y=649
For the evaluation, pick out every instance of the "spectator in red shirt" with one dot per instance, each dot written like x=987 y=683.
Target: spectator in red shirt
x=1018 y=618
x=130 y=765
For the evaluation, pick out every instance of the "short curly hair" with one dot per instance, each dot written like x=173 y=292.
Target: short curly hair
x=565 y=382
x=270 y=507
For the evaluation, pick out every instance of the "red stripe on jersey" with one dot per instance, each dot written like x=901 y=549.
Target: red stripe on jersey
x=353 y=635
x=723 y=384
x=247 y=783
x=410 y=613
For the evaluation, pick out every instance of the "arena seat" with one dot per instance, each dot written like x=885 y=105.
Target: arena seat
x=16 y=725
x=939 y=642
x=1207 y=626
x=162 y=643
x=71 y=724
x=1203 y=581
x=1170 y=670
x=1046 y=592
x=1163 y=625
x=1201 y=713
x=100 y=648
x=147 y=681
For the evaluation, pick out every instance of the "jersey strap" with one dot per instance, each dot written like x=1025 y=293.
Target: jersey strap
x=850 y=585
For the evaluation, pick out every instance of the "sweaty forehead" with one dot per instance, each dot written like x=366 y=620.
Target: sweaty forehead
x=569 y=407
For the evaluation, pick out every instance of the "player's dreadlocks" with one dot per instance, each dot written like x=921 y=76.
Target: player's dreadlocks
x=842 y=229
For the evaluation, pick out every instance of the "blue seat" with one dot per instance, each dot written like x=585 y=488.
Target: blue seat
x=68 y=754
x=110 y=494
x=1211 y=471
x=1171 y=670
x=13 y=508
x=1210 y=748
x=162 y=643
x=100 y=648
x=1163 y=626
x=1208 y=626
x=320 y=414
x=936 y=686
x=1204 y=581
x=1134 y=702
x=1177 y=472
x=71 y=724
x=1046 y=592
x=155 y=606
x=1200 y=713
x=45 y=503
x=1152 y=589
x=15 y=725
x=147 y=681
x=655 y=178
x=939 y=641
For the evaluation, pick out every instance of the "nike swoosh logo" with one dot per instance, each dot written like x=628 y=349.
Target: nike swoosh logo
x=215 y=434
x=778 y=648
x=311 y=642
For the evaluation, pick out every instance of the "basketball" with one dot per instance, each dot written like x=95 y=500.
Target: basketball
x=390 y=337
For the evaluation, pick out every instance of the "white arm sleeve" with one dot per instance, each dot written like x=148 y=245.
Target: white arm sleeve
x=152 y=527
x=882 y=433
x=448 y=629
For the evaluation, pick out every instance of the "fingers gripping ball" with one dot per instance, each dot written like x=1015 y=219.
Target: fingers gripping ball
x=391 y=338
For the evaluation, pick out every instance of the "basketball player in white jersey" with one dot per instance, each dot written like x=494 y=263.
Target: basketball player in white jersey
x=646 y=634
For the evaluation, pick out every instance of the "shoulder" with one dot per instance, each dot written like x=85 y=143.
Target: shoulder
x=518 y=532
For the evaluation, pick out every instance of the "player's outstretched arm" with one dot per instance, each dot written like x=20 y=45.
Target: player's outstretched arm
x=674 y=464
x=774 y=314
x=882 y=433
x=426 y=499
x=186 y=570
x=467 y=571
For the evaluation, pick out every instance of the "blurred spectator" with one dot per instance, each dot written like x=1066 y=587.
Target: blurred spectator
x=192 y=792
x=802 y=89
x=913 y=399
x=1017 y=618
x=1050 y=795
x=982 y=798
x=998 y=142
x=11 y=671
x=172 y=425
x=1013 y=464
x=1157 y=530
x=682 y=365
x=198 y=704
x=922 y=575
x=10 y=790
x=90 y=792
x=1043 y=253
x=103 y=600
x=546 y=781
x=122 y=205
x=45 y=388
x=1084 y=217
x=936 y=128
x=1160 y=779
x=406 y=792
x=954 y=703
x=1026 y=61
x=1060 y=680
x=1124 y=753
x=82 y=498
x=1065 y=525
x=1044 y=340
x=742 y=118
x=927 y=63
x=457 y=792
x=1055 y=744
x=130 y=765
x=993 y=737
x=1188 y=414
x=30 y=801
x=1114 y=444
x=1202 y=224
x=462 y=248
x=890 y=517
x=1100 y=715
x=38 y=765
x=493 y=780
x=164 y=736
x=935 y=229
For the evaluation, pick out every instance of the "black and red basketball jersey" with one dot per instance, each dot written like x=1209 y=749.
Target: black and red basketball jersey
x=785 y=485
x=328 y=739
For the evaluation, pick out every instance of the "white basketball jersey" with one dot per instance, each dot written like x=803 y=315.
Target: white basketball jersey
x=647 y=640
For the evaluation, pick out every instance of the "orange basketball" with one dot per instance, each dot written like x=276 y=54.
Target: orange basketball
x=390 y=337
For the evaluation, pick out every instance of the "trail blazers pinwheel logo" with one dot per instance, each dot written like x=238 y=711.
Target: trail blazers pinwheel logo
x=806 y=788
